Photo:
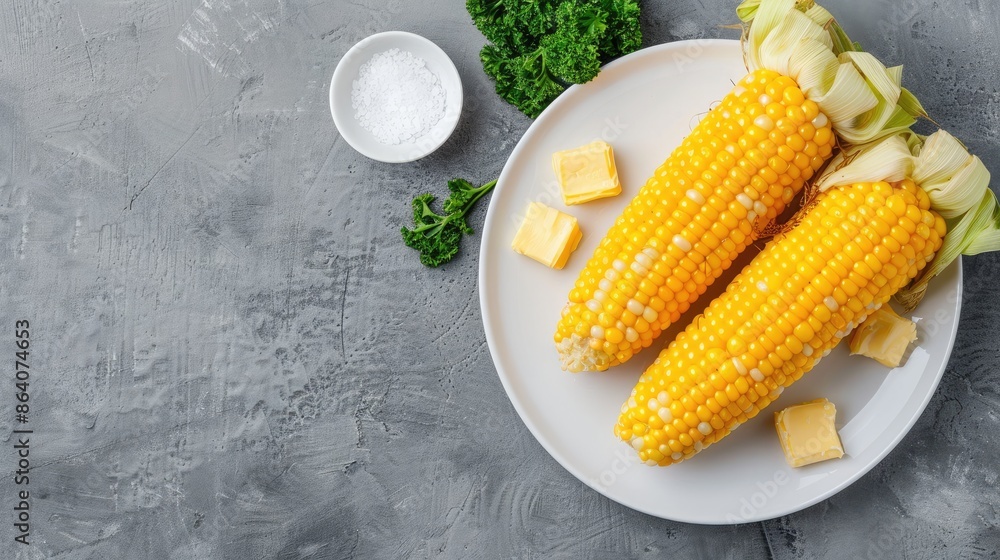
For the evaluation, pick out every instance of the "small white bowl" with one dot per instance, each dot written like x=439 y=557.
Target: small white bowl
x=347 y=71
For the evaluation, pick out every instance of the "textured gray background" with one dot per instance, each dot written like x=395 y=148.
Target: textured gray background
x=235 y=357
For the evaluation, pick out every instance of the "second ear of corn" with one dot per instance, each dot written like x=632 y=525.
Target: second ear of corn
x=853 y=249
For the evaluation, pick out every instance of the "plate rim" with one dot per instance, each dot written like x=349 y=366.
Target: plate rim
x=483 y=282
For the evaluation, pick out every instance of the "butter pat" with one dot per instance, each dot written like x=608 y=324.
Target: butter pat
x=547 y=235
x=884 y=336
x=808 y=433
x=586 y=173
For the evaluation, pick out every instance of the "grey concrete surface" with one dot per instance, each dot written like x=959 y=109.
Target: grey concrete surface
x=233 y=356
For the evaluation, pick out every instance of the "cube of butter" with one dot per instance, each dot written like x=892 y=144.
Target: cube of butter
x=547 y=235
x=808 y=433
x=586 y=173
x=884 y=336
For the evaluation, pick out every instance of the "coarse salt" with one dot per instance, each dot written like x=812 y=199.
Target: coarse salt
x=397 y=98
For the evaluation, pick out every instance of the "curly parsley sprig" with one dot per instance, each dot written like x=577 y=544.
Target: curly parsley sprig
x=538 y=48
x=437 y=236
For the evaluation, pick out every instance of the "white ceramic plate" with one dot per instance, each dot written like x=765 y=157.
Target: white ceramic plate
x=644 y=104
x=347 y=72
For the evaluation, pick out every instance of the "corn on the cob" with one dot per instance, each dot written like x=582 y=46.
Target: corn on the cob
x=799 y=297
x=735 y=172
x=855 y=247
x=730 y=177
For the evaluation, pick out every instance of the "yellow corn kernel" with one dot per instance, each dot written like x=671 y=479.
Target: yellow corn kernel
x=767 y=341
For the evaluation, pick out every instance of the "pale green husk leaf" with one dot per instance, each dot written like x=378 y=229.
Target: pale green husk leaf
x=862 y=97
x=888 y=159
x=958 y=185
x=944 y=163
